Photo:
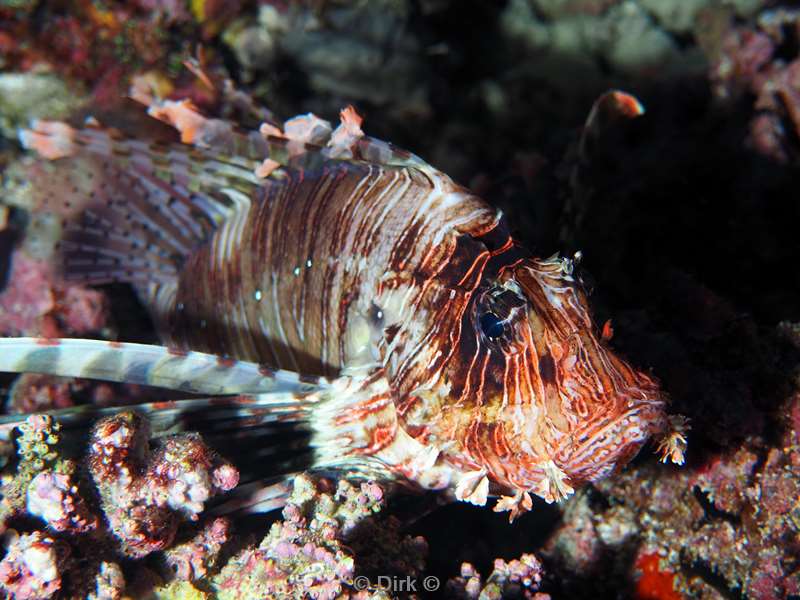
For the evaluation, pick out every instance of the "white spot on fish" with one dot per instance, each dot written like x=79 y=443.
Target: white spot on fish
x=257 y=295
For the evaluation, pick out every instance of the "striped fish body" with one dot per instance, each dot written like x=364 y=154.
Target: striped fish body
x=312 y=273
x=438 y=353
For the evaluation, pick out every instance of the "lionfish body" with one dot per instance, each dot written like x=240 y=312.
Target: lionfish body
x=400 y=322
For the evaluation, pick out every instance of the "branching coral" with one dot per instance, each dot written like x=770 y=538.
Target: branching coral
x=305 y=551
x=144 y=496
x=141 y=500
x=33 y=566
x=514 y=579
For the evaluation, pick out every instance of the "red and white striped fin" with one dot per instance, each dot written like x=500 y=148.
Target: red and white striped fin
x=132 y=210
x=144 y=364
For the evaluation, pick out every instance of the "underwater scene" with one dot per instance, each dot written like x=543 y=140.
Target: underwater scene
x=374 y=299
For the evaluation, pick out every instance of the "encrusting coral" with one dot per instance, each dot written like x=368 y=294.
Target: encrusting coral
x=332 y=542
x=33 y=566
x=309 y=550
x=725 y=524
x=196 y=559
x=144 y=496
x=513 y=579
x=135 y=507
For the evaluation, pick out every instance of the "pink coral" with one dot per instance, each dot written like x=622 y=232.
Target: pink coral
x=516 y=578
x=141 y=528
x=116 y=452
x=145 y=494
x=193 y=560
x=311 y=552
x=32 y=568
x=33 y=392
x=54 y=498
x=184 y=473
x=35 y=303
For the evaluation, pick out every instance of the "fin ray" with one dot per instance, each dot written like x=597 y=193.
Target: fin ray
x=145 y=364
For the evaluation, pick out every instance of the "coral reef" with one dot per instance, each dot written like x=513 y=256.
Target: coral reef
x=144 y=495
x=686 y=217
x=34 y=303
x=32 y=567
x=197 y=558
x=309 y=552
x=137 y=503
x=517 y=578
x=750 y=58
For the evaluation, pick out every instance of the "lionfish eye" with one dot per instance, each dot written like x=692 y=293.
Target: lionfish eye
x=491 y=325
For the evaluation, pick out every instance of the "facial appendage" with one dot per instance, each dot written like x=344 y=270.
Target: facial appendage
x=570 y=410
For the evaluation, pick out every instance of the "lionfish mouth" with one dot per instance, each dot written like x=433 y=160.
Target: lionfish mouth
x=600 y=411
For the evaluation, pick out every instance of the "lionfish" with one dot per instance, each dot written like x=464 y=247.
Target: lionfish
x=324 y=280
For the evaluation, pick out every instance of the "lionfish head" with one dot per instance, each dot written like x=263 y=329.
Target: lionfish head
x=570 y=410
